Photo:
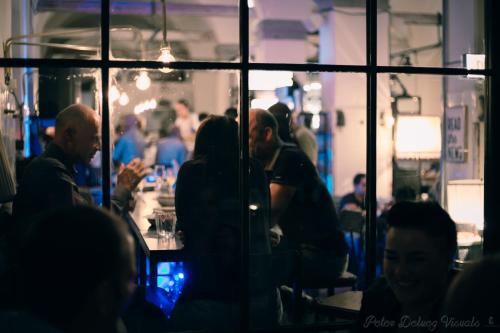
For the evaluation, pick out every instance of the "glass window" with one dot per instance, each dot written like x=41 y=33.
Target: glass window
x=324 y=32
x=446 y=165
x=51 y=30
x=30 y=110
x=158 y=30
x=434 y=34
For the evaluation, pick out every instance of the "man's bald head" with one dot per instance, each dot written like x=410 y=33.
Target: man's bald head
x=263 y=134
x=77 y=128
x=73 y=116
x=263 y=119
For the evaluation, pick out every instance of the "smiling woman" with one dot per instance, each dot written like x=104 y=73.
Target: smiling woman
x=421 y=244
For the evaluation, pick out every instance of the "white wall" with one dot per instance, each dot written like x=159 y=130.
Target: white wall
x=465 y=92
x=345 y=35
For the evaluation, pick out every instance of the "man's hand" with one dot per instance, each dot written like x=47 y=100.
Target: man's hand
x=275 y=234
x=130 y=175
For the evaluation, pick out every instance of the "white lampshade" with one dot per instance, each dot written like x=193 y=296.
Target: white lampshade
x=466 y=201
x=418 y=137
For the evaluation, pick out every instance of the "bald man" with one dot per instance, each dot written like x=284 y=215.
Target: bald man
x=48 y=181
x=302 y=210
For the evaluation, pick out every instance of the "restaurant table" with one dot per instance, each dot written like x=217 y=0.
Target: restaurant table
x=151 y=249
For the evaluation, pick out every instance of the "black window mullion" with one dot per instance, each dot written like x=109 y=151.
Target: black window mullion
x=492 y=149
x=371 y=137
x=243 y=168
x=105 y=122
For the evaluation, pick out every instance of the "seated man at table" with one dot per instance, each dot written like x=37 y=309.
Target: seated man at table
x=421 y=244
x=75 y=270
x=300 y=203
x=49 y=180
x=355 y=200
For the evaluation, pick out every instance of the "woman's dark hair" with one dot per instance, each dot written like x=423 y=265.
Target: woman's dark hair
x=217 y=143
x=428 y=217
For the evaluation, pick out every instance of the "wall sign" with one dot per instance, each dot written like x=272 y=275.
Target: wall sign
x=456 y=134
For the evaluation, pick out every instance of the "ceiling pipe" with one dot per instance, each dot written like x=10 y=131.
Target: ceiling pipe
x=135 y=8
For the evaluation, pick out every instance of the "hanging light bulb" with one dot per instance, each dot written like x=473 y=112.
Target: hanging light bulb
x=143 y=81
x=113 y=94
x=166 y=57
x=123 y=99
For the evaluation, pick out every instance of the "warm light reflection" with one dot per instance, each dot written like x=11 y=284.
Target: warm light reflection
x=269 y=80
x=466 y=201
x=113 y=94
x=166 y=57
x=418 y=137
x=123 y=99
x=143 y=81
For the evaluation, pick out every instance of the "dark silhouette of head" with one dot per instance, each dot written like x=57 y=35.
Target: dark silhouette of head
x=217 y=142
x=473 y=297
x=75 y=269
x=359 y=183
x=405 y=193
x=283 y=116
x=231 y=113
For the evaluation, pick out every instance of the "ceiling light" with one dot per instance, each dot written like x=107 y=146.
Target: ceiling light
x=123 y=99
x=143 y=81
x=166 y=57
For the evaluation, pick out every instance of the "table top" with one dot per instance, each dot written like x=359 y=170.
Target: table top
x=146 y=235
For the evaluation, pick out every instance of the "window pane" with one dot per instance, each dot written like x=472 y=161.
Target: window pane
x=195 y=31
x=156 y=117
x=434 y=34
x=325 y=114
x=307 y=31
x=55 y=29
x=29 y=112
x=431 y=148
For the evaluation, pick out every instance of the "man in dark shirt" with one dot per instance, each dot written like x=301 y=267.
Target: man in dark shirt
x=301 y=207
x=355 y=200
x=48 y=181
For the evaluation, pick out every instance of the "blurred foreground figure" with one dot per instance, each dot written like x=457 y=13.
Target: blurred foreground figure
x=75 y=270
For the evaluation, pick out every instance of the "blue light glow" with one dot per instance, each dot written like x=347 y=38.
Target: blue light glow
x=170 y=278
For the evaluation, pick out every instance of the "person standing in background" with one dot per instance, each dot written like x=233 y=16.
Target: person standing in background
x=187 y=122
x=289 y=132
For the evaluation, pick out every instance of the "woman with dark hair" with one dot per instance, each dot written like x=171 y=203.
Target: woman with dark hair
x=208 y=212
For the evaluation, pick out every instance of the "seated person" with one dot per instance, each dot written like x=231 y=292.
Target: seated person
x=301 y=205
x=471 y=304
x=355 y=200
x=131 y=143
x=75 y=270
x=421 y=244
x=170 y=148
x=208 y=211
x=49 y=180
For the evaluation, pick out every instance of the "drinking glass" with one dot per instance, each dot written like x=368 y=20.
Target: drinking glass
x=159 y=173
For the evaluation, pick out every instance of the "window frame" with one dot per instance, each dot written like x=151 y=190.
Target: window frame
x=371 y=70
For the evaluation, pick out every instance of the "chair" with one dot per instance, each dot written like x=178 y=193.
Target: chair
x=352 y=222
x=346 y=280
